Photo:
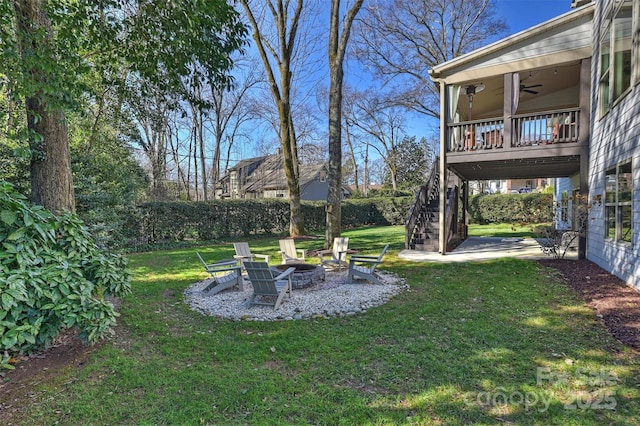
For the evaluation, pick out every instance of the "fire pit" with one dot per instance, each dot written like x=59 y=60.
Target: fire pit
x=304 y=276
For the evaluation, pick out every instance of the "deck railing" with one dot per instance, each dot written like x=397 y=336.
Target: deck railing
x=547 y=127
x=558 y=126
x=477 y=134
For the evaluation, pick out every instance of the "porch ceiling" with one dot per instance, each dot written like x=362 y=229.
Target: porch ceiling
x=555 y=86
x=519 y=168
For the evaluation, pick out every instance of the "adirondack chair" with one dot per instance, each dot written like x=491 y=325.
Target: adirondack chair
x=243 y=253
x=267 y=288
x=289 y=252
x=225 y=274
x=338 y=253
x=365 y=267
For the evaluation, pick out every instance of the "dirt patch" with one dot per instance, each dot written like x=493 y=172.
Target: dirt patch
x=16 y=388
x=614 y=302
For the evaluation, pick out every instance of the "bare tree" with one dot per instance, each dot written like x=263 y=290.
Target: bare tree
x=383 y=124
x=154 y=140
x=229 y=111
x=338 y=39
x=277 y=54
x=399 y=40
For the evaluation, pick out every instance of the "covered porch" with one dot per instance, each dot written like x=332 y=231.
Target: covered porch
x=518 y=108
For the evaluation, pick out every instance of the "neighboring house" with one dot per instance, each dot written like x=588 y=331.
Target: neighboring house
x=232 y=183
x=507 y=186
x=561 y=100
x=565 y=191
x=526 y=185
x=264 y=177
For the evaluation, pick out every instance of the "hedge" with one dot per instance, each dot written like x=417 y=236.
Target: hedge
x=214 y=220
x=511 y=208
x=222 y=220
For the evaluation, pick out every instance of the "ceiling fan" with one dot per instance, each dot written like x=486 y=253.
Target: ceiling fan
x=525 y=88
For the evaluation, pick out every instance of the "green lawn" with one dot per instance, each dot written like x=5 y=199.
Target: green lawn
x=504 y=230
x=503 y=341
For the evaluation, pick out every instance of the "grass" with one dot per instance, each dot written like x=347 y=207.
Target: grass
x=503 y=341
x=504 y=230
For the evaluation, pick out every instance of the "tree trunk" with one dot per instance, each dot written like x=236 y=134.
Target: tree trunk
x=334 y=179
x=51 y=179
x=337 y=47
x=203 y=159
x=282 y=95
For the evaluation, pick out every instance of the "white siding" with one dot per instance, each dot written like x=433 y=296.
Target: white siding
x=614 y=138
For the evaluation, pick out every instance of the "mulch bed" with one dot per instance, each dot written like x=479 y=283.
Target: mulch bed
x=614 y=302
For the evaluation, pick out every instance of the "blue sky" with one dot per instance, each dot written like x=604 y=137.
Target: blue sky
x=522 y=14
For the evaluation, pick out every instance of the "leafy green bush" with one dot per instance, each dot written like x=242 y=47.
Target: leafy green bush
x=511 y=208
x=52 y=277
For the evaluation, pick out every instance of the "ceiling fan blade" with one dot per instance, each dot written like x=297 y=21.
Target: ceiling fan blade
x=532 y=86
x=533 y=92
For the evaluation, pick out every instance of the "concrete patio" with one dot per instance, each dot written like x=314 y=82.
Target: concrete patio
x=485 y=248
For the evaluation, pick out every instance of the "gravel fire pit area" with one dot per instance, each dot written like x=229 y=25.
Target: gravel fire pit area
x=326 y=298
x=304 y=276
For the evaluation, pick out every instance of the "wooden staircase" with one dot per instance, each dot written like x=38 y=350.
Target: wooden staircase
x=422 y=231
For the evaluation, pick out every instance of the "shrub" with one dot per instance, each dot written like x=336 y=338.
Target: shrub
x=52 y=277
x=511 y=208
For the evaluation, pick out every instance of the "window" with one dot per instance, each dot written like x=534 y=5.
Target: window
x=619 y=203
x=616 y=53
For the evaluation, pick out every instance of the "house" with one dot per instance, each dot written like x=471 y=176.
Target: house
x=234 y=180
x=560 y=100
x=264 y=177
x=507 y=186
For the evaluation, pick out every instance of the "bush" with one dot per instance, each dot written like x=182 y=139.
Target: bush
x=511 y=208
x=52 y=277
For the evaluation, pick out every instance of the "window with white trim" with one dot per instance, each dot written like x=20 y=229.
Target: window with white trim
x=619 y=203
x=617 y=46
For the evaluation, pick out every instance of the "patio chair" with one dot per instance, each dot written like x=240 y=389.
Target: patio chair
x=243 y=253
x=365 y=267
x=289 y=252
x=267 y=288
x=225 y=274
x=338 y=253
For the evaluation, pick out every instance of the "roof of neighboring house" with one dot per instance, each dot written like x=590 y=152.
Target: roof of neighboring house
x=270 y=174
x=247 y=162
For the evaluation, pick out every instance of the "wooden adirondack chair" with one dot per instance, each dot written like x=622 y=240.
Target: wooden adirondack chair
x=267 y=288
x=243 y=253
x=365 y=267
x=289 y=252
x=338 y=253
x=225 y=274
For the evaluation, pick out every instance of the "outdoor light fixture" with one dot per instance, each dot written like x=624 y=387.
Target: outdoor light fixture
x=471 y=90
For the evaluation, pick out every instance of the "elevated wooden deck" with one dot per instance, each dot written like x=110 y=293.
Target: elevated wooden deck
x=547 y=143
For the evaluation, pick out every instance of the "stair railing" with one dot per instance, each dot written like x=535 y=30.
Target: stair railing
x=425 y=193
